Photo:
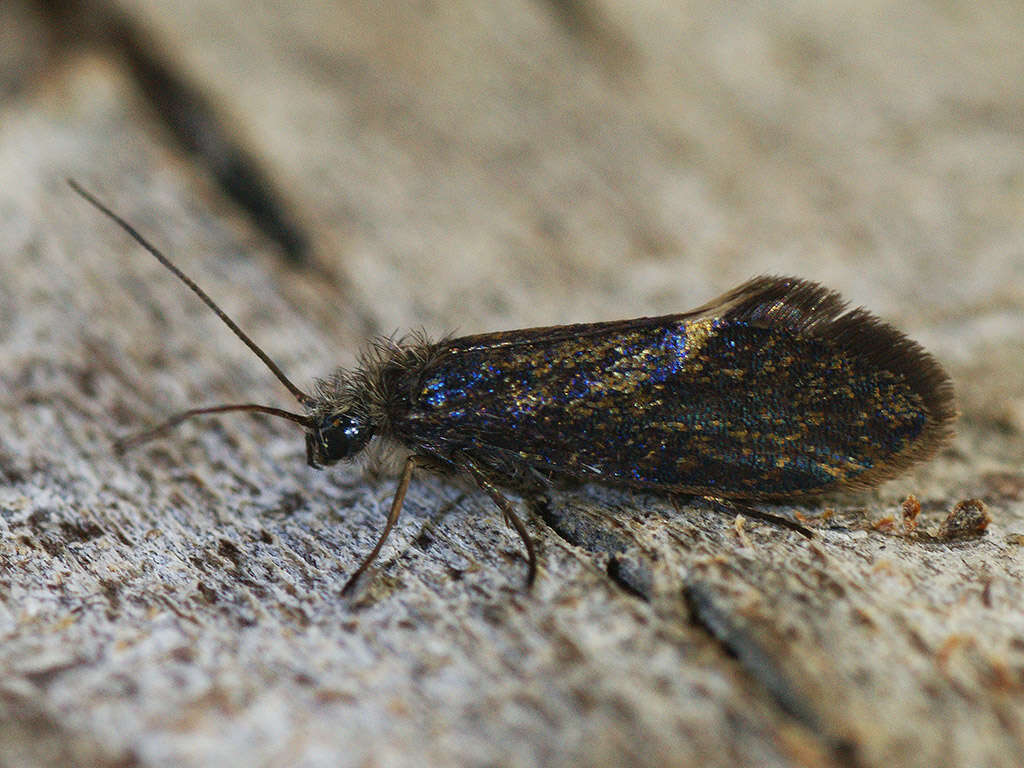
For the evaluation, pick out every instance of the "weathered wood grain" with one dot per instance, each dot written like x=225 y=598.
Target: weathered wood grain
x=480 y=166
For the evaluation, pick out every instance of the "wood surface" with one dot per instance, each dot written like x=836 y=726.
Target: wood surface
x=474 y=166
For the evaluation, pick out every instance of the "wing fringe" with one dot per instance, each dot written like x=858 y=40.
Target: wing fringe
x=810 y=309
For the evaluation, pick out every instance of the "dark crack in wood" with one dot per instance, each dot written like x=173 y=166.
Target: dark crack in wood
x=709 y=612
x=189 y=117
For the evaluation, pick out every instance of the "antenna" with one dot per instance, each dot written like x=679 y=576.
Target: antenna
x=302 y=397
x=299 y=395
x=142 y=437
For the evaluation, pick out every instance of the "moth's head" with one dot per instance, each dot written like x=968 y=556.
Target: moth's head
x=337 y=436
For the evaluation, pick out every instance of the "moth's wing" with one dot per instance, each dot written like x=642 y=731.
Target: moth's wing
x=771 y=390
x=510 y=341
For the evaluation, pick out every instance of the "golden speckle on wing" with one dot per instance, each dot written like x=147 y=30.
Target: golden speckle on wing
x=772 y=391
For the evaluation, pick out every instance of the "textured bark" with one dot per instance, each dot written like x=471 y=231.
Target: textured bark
x=482 y=166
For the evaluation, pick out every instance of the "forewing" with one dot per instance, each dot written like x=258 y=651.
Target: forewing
x=770 y=391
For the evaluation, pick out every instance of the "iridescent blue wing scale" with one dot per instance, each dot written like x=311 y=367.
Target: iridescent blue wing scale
x=773 y=390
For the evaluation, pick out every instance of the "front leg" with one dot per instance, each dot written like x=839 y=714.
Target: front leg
x=396 y=508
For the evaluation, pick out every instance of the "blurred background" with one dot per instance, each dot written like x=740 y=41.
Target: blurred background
x=333 y=170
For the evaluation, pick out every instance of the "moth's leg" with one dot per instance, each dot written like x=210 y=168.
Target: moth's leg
x=511 y=518
x=396 y=508
x=732 y=506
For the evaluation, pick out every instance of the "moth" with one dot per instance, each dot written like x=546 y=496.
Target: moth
x=773 y=391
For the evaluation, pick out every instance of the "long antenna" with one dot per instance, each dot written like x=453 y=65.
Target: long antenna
x=130 y=442
x=299 y=395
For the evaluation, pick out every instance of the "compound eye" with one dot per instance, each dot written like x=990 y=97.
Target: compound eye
x=339 y=437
